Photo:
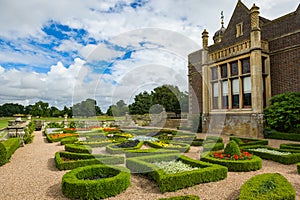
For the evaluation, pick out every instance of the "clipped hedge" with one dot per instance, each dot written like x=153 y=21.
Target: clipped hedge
x=272 y=134
x=51 y=140
x=75 y=185
x=292 y=158
x=213 y=146
x=182 y=147
x=112 y=149
x=290 y=146
x=236 y=165
x=68 y=140
x=148 y=152
x=7 y=148
x=250 y=141
x=213 y=139
x=76 y=160
x=185 y=197
x=172 y=182
x=267 y=186
x=95 y=143
x=197 y=142
x=78 y=148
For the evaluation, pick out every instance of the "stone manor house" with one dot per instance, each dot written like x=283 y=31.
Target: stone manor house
x=251 y=60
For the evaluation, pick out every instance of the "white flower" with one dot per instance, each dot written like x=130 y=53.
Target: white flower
x=274 y=152
x=172 y=167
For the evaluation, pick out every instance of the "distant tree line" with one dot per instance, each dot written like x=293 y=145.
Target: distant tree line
x=168 y=96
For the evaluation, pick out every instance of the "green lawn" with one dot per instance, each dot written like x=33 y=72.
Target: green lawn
x=100 y=118
x=4 y=121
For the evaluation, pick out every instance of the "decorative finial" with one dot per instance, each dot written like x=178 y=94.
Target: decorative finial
x=222 y=19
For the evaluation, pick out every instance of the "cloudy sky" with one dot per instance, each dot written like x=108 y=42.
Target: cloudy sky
x=64 y=51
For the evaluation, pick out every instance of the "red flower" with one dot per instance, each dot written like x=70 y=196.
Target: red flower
x=236 y=156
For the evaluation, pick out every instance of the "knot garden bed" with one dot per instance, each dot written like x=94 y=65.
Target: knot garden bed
x=194 y=172
x=95 y=182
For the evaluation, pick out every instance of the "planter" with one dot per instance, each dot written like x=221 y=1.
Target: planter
x=90 y=182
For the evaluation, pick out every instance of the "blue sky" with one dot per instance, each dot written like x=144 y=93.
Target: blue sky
x=64 y=51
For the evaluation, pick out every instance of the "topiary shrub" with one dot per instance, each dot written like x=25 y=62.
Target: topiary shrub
x=232 y=148
x=186 y=197
x=95 y=182
x=7 y=148
x=283 y=113
x=267 y=186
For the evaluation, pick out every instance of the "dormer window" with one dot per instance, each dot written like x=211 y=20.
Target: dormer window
x=239 y=29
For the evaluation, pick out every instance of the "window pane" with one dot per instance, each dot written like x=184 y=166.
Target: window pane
x=234 y=68
x=247 y=99
x=225 y=101
x=246 y=66
x=225 y=88
x=224 y=71
x=235 y=86
x=235 y=101
x=215 y=90
x=247 y=84
x=215 y=102
x=214 y=72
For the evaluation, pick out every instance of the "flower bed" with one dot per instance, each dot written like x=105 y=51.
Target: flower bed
x=267 y=186
x=182 y=147
x=248 y=141
x=144 y=138
x=173 y=167
x=206 y=172
x=56 y=137
x=123 y=147
x=95 y=143
x=86 y=182
x=68 y=160
x=7 y=148
x=277 y=155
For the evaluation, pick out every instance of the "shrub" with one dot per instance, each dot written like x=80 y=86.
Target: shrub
x=236 y=165
x=29 y=133
x=267 y=186
x=77 y=148
x=76 y=183
x=186 y=197
x=213 y=146
x=273 y=134
x=55 y=125
x=7 y=148
x=171 y=182
x=290 y=146
x=283 y=113
x=197 y=142
x=248 y=141
x=68 y=140
x=232 y=148
x=113 y=149
x=213 y=139
x=75 y=160
x=148 y=152
x=292 y=158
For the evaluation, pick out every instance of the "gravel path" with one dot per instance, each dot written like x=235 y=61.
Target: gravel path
x=31 y=174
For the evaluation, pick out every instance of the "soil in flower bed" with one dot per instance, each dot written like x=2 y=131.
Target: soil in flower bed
x=128 y=144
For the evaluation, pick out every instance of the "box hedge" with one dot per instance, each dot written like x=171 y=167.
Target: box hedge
x=236 y=165
x=75 y=184
x=273 y=134
x=185 y=197
x=7 y=148
x=292 y=158
x=267 y=186
x=248 y=141
x=148 y=152
x=290 y=146
x=112 y=149
x=213 y=146
x=79 y=160
x=78 y=148
x=182 y=147
x=172 y=182
x=68 y=140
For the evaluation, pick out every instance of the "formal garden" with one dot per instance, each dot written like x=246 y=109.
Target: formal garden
x=100 y=162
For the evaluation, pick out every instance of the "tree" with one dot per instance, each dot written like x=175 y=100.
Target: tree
x=9 y=109
x=117 y=110
x=142 y=104
x=40 y=109
x=86 y=108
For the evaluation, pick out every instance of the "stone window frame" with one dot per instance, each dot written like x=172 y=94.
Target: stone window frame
x=239 y=29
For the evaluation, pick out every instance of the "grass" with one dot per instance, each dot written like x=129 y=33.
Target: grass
x=99 y=118
x=4 y=121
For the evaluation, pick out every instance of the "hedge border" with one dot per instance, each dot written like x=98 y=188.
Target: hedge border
x=7 y=148
x=293 y=158
x=95 y=144
x=239 y=141
x=250 y=190
x=84 y=160
x=78 y=148
x=184 y=147
x=173 y=182
x=236 y=165
x=183 y=197
x=68 y=140
x=272 y=134
x=148 y=152
x=213 y=146
x=109 y=148
x=74 y=187
x=293 y=146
